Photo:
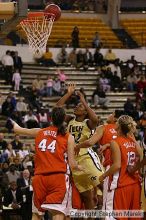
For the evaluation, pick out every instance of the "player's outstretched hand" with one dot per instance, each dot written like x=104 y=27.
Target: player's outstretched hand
x=77 y=150
x=71 y=88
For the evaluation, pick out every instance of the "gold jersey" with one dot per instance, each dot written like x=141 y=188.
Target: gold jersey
x=81 y=132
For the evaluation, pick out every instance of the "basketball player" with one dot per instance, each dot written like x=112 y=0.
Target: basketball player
x=104 y=134
x=80 y=126
x=141 y=165
x=124 y=189
x=51 y=183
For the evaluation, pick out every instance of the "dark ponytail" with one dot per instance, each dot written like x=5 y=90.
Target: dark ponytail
x=58 y=117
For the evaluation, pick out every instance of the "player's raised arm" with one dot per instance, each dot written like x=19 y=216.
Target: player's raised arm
x=93 y=120
x=24 y=131
x=70 y=91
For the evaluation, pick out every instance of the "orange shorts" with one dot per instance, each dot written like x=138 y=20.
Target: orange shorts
x=54 y=192
x=49 y=189
x=124 y=198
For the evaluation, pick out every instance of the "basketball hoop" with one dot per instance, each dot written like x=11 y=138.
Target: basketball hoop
x=37 y=27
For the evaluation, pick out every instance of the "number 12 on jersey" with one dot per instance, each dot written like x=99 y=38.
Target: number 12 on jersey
x=131 y=158
x=51 y=147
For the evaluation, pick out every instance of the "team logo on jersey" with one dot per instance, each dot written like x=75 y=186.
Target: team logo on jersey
x=93 y=178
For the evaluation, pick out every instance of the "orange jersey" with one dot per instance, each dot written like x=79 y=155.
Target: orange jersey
x=108 y=135
x=128 y=157
x=51 y=151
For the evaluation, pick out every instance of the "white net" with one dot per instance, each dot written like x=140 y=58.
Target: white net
x=38 y=30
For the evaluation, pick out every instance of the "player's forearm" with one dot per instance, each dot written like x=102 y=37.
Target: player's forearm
x=113 y=169
x=73 y=165
x=91 y=114
x=63 y=100
x=85 y=144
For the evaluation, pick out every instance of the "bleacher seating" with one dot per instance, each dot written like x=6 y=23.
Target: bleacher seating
x=137 y=29
x=84 y=79
x=62 y=30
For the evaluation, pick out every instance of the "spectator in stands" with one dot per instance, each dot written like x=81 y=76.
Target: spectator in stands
x=131 y=63
x=104 y=83
x=2 y=99
x=62 y=56
x=141 y=84
x=3 y=157
x=88 y=60
x=27 y=162
x=110 y=56
x=61 y=76
x=142 y=122
x=131 y=82
x=13 y=99
x=99 y=98
x=31 y=120
x=17 y=62
x=5 y=167
x=3 y=143
x=138 y=112
x=116 y=83
x=116 y=67
x=10 y=151
x=7 y=107
x=98 y=58
x=139 y=96
x=38 y=85
x=21 y=106
x=43 y=119
x=96 y=41
x=16 y=79
x=75 y=37
x=13 y=199
x=108 y=73
x=12 y=174
x=16 y=143
x=129 y=107
x=48 y=58
x=3 y=178
x=24 y=184
x=49 y=86
x=8 y=63
x=80 y=59
x=57 y=87
x=72 y=58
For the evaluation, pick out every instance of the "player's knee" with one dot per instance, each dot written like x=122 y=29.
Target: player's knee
x=36 y=216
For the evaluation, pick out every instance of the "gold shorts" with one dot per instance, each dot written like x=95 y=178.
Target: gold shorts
x=89 y=178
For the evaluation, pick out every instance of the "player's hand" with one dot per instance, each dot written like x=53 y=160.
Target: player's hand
x=77 y=150
x=101 y=178
x=82 y=99
x=130 y=169
x=103 y=148
x=80 y=168
x=71 y=88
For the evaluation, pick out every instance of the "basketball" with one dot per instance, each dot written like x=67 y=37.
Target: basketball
x=54 y=10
